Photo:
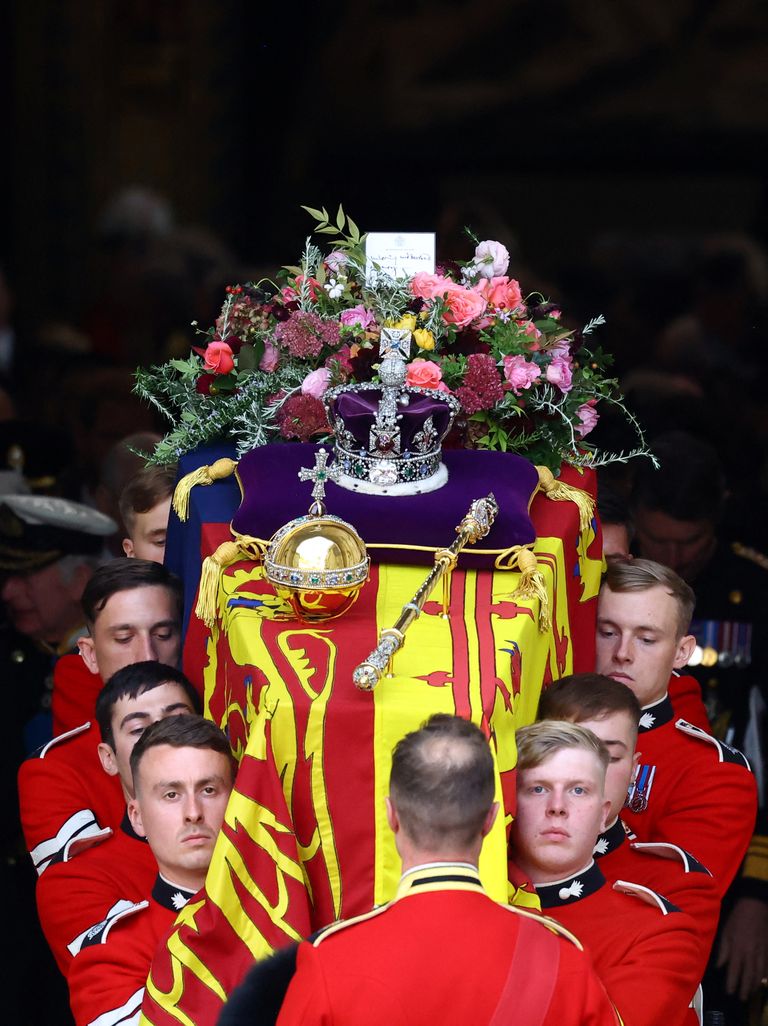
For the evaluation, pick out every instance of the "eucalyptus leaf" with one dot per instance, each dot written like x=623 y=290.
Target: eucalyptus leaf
x=340 y=218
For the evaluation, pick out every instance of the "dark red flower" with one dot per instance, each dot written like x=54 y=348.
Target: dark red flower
x=481 y=388
x=301 y=417
x=203 y=384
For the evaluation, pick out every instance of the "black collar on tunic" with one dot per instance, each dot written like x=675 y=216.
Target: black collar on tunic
x=610 y=839
x=565 y=892
x=656 y=715
x=169 y=895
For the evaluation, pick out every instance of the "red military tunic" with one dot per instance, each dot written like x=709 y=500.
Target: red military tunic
x=75 y=690
x=693 y=791
x=66 y=799
x=80 y=901
x=667 y=869
x=647 y=954
x=107 y=977
x=685 y=695
x=444 y=952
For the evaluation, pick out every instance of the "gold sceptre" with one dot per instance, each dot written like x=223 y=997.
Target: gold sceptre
x=475 y=525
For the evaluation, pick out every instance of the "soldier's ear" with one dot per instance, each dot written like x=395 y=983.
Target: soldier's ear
x=685 y=647
x=134 y=815
x=490 y=819
x=107 y=759
x=88 y=652
x=606 y=814
x=128 y=548
x=392 y=817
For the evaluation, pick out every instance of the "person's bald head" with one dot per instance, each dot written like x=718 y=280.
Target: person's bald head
x=442 y=783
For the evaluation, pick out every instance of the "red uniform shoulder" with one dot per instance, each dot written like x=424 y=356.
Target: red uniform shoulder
x=75 y=690
x=67 y=801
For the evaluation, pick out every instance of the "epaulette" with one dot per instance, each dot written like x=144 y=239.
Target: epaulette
x=343 y=924
x=82 y=830
x=98 y=933
x=650 y=897
x=725 y=752
x=60 y=739
x=547 y=922
x=753 y=555
x=671 y=851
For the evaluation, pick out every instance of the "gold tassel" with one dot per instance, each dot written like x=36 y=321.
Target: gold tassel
x=559 y=491
x=217 y=471
x=532 y=586
x=210 y=575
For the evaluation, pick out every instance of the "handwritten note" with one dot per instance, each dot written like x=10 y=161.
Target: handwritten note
x=399 y=254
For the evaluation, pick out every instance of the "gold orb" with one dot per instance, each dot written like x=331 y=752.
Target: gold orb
x=318 y=565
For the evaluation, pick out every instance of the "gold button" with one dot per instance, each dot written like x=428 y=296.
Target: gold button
x=17 y=656
x=735 y=597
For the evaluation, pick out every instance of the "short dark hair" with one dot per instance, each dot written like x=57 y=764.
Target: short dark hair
x=132 y=681
x=182 y=732
x=613 y=508
x=442 y=782
x=588 y=696
x=144 y=491
x=125 y=575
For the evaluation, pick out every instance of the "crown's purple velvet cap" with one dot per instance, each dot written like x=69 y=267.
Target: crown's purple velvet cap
x=273 y=495
x=358 y=411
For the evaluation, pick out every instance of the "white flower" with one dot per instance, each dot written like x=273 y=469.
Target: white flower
x=335 y=289
x=491 y=259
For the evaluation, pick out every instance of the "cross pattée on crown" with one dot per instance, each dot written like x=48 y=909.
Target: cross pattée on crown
x=320 y=474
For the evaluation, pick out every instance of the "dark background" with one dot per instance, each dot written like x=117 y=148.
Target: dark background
x=566 y=124
x=617 y=147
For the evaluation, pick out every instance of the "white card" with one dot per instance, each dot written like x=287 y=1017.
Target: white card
x=400 y=254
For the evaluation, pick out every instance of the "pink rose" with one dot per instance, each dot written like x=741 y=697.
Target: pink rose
x=588 y=417
x=336 y=260
x=464 y=306
x=217 y=358
x=560 y=348
x=491 y=259
x=316 y=382
x=520 y=373
x=271 y=357
x=559 y=373
x=500 y=293
x=430 y=286
x=425 y=374
x=357 y=315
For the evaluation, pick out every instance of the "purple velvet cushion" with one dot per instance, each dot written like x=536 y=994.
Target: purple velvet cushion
x=273 y=495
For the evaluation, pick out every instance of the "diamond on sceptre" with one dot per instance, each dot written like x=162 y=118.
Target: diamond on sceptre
x=320 y=474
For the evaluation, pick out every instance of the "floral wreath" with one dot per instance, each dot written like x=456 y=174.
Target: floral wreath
x=526 y=383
